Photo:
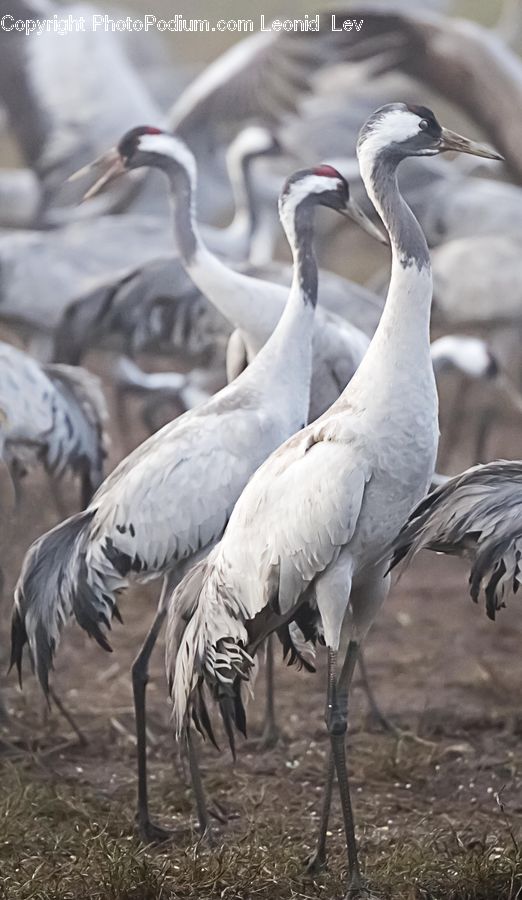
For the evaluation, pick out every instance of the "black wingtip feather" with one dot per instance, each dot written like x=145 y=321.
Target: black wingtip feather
x=201 y=717
x=18 y=642
x=228 y=715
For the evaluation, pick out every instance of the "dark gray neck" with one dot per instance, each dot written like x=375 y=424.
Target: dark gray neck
x=304 y=257
x=406 y=235
x=182 y=194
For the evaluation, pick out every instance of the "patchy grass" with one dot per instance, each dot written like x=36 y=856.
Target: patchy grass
x=64 y=839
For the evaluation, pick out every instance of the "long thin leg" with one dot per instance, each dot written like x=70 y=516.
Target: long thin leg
x=149 y=832
x=453 y=427
x=270 y=735
x=375 y=710
x=197 y=787
x=336 y=719
x=317 y=860
x=486 y=425
x=82 y=740
x=337 y=728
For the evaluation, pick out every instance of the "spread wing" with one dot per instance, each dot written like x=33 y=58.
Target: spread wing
x=261 y=77
x=444 y=53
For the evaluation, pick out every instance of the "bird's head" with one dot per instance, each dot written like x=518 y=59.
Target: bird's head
x=323 y=186
x=253 y=141
x=398 y=130
x=142 y=146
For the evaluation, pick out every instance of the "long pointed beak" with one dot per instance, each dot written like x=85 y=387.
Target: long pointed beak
x=354 y=212
x=111 y=166
x=450 y=140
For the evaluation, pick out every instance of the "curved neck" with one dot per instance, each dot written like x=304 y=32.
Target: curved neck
x=298 y=225
x=245 y=216
x=286 y=358
x=403 y=330
x=229 y=291
x=290 y=344
x=407 y=240
x=182 y=192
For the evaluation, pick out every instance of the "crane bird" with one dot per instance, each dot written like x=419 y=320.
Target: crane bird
x=86 y=286
x=166 y=504
x=311 y=537
x=54 y=415
x=475 y=515
x=250 y=304
x=156 y=306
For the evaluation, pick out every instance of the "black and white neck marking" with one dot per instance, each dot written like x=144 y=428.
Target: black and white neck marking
x=160 y=150
x=301 y=194
x=392 y=134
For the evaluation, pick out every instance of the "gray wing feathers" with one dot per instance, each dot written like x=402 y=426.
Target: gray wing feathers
x=477 y=514
x=52 y=588
x=79 y=440
x=261 y=77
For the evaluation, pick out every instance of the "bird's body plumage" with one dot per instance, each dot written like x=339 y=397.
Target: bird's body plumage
x=321 y=513
x=51 y=414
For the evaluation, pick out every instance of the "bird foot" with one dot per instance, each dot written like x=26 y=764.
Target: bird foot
x=218 y=812
x=208 y=838
x=315 y=863
x=401 y=734
x=150 y=833
x=357 y=891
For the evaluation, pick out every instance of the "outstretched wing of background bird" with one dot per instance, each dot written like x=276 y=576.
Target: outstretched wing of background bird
x=64 y=112
x=262 y=77
x=468 y=64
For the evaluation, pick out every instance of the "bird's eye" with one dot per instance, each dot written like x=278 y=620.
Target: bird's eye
x=424 y=124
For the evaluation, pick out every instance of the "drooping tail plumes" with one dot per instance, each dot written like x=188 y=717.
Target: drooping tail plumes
x=53 y=587
x=477 y=514
x=213 y=634
x=78 y=441
x=207 y=639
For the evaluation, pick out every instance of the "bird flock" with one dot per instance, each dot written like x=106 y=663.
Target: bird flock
x=293 y=454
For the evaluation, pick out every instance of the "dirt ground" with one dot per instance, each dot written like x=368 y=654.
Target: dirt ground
x=438 y=817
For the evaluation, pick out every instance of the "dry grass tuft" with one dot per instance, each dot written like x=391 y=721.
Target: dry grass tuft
x=59 y=842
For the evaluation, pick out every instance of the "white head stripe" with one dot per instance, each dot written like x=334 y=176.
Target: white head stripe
x=167 y=145
x=394 y=126
x=310 y=184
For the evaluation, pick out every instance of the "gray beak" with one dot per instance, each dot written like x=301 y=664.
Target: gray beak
x=110 y=166
x=354 y=212
x=450 y=140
